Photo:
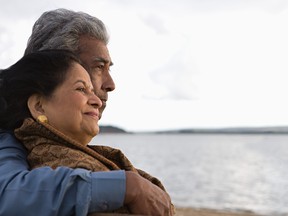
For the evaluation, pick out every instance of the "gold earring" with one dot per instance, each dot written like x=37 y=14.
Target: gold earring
x=42 y=119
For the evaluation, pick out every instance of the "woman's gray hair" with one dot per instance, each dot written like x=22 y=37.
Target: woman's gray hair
x=62 y=29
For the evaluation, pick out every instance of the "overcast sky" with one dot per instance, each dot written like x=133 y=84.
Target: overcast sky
x=180 y=64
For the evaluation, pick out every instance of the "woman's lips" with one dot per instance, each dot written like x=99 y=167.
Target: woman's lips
x=93 y=114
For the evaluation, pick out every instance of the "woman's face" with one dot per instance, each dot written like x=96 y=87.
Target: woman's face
x=73 y=108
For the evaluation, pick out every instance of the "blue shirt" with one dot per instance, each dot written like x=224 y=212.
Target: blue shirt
x=44 y=191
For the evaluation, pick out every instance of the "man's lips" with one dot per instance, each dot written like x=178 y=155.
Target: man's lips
x=104 y=101
x=101 y=109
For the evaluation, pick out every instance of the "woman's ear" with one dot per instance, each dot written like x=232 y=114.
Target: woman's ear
x=35 y=105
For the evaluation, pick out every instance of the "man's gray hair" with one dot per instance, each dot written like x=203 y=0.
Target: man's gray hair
x=62 y=29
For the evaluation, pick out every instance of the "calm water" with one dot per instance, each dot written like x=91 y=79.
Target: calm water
x=242 y=172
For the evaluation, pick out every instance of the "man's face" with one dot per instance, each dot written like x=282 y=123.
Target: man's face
x=95 y=56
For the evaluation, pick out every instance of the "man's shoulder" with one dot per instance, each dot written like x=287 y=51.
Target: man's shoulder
x=5 y=134
x=7 y=138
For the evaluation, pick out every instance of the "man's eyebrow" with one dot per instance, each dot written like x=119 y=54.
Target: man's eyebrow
x=99 y=59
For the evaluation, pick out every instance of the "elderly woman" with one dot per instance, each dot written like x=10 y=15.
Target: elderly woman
x=48 y=99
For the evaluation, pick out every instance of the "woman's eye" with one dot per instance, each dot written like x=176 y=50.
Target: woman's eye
x=82 y=89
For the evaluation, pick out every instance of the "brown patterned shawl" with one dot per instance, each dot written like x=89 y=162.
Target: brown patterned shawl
x=49 y=147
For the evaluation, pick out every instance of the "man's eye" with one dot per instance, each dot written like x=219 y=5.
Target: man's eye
x=100 y=67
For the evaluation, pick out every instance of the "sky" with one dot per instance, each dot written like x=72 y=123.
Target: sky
x=180 y=64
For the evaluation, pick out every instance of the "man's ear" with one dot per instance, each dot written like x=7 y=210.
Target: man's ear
x=35 y=105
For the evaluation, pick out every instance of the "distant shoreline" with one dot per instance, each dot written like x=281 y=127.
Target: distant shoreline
x=211 y=212
x=240 y=130
x=191 y=212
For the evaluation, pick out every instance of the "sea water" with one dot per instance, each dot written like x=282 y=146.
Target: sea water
x=220 y=171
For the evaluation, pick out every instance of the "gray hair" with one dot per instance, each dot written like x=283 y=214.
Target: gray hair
x=62 y=29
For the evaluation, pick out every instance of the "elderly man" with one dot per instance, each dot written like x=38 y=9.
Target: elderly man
x=66 y=191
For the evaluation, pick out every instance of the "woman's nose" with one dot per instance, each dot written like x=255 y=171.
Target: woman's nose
x=94 y=101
